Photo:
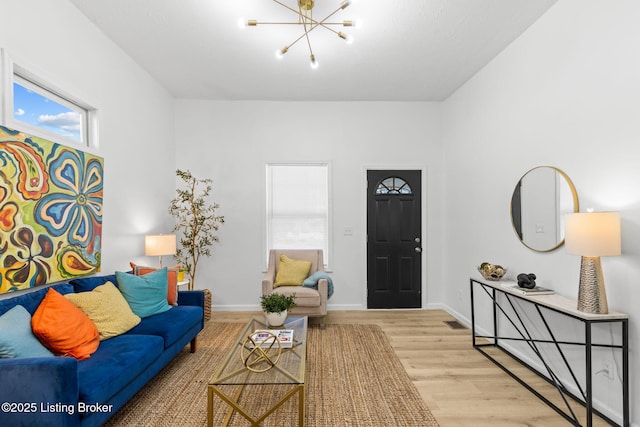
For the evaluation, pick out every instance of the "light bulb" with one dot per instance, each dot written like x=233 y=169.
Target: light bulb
x=280 y=52
x=314 y=63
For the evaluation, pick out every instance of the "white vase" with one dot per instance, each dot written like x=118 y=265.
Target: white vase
x=276 y=319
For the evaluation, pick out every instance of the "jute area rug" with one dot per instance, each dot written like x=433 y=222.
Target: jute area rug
x=354 y=378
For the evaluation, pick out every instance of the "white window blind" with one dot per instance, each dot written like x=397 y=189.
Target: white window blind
x=298 y=207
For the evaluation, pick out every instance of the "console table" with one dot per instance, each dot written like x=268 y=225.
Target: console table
x=506 y=307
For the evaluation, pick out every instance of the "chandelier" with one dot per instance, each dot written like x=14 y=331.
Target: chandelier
x=306 y=20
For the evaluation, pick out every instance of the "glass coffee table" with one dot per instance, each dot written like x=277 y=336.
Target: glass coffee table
x=250 y=363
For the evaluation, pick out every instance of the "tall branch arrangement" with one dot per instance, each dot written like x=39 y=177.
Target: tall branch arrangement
x=196 y=220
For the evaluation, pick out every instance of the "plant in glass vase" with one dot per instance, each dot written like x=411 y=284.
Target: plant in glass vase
x=196 y=220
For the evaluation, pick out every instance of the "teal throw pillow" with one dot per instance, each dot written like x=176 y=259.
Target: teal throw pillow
x=146 y=295
x=16 y=336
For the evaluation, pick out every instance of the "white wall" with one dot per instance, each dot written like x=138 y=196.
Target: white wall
x=230 y=142
x=56 y=42
x=565 y=94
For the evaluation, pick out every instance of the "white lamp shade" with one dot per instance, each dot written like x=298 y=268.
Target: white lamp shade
x=159 y=244
x=593 y=233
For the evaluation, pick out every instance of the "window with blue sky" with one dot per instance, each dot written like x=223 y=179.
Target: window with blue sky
x=42 y=109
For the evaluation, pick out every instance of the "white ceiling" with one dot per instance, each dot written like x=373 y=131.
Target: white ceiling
x=419 y=50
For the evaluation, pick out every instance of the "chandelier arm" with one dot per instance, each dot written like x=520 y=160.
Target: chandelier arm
x=296 y=23
x=306 y=32
x=313 y=21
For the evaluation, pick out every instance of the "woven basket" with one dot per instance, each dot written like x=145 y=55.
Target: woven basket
x=207 y=304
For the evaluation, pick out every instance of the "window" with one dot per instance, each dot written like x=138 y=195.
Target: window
x=298 y=207
x=34 y=106
x=393 y=185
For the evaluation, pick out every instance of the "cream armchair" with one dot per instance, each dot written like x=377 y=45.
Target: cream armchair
x=309 y=302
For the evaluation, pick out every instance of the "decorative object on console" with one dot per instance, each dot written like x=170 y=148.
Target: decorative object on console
x=527 y=280
x=196 y=219
x=492 y=272
x=159 y=245
x=50 y=211
x=276 y=306
x=304 y=11
x=592 y=235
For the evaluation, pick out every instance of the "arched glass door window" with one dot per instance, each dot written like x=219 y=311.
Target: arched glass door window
x=393 y=185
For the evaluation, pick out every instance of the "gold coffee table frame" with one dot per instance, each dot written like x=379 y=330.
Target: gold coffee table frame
x=289 y=370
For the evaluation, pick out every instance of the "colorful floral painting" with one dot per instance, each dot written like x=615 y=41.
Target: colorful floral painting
x=50 y=211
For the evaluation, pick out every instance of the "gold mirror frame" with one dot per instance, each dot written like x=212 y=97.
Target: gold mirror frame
x=516 y=199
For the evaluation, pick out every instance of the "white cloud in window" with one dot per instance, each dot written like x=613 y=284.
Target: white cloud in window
x=69 y=121
x=19 y=112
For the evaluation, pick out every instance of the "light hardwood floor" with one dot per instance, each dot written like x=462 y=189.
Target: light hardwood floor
x=458 y=384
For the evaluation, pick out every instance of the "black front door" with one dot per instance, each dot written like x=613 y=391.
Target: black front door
x=394 y=248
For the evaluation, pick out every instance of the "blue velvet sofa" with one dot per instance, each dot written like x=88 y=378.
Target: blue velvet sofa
x=62 y=391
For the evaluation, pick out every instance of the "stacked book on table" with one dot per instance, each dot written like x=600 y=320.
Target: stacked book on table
x=264 y=337
x=538 y=290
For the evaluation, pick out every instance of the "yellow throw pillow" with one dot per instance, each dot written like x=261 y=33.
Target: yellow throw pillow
x=291 y=272
x=107 y=309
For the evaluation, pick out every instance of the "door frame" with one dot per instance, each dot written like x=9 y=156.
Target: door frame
x=423 y=219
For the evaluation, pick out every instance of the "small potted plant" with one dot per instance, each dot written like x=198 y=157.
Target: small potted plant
x=276 y=306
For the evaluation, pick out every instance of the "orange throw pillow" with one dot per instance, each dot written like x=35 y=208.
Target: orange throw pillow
x=172 y=272
x=63 y=328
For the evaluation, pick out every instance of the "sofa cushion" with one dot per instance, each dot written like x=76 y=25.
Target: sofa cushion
x=116 y=363
x=107 y=309
x=146 y=295
x=16 y=337
x=63 y=328
x=85 y=284
x=172 y=285
x=170 y=325
x=291 y=272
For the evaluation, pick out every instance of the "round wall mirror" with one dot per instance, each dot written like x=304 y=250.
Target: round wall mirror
x=538 y=204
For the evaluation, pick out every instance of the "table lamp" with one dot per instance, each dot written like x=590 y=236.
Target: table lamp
x=159 y=245
x=592 y=235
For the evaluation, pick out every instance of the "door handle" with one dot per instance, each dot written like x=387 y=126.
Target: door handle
x=418 y=249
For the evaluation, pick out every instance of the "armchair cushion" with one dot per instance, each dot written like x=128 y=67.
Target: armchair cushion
x=304 y=297
x=291 y=272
